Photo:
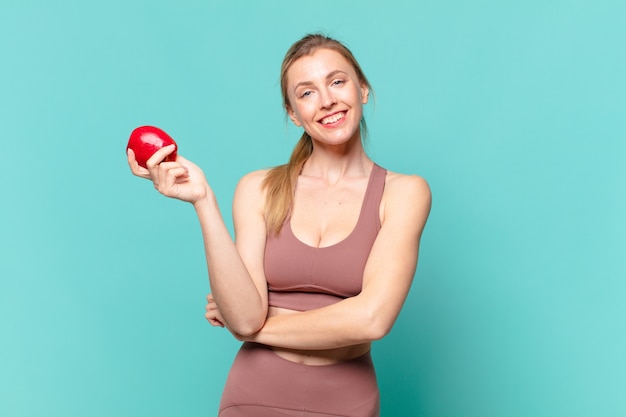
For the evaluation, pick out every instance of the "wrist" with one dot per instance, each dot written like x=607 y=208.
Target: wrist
x=206 y=201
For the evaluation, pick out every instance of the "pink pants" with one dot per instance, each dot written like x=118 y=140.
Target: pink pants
x=263 y=384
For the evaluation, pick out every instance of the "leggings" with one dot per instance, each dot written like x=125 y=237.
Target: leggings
x=263 y=384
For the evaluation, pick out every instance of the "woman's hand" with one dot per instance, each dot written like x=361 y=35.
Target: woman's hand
x=214 y=317
x=213 y=314
x=180 y=179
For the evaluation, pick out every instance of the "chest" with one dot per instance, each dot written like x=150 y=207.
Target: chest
x=325 y=215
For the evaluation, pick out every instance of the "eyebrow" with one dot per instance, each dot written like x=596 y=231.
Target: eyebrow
x=329 y=76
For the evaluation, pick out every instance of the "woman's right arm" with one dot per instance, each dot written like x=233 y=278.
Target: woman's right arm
x=235 y=269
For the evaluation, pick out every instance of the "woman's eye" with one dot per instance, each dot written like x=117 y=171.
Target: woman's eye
x=306 y=93
x=338 y=82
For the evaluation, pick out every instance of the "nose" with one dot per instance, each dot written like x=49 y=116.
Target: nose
x=327 y=99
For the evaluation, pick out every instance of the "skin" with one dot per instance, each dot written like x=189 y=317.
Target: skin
x=327 y=203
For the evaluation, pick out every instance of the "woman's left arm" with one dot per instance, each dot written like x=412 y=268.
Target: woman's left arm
x=386 y=282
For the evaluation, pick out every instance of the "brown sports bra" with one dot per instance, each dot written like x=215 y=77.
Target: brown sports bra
x=302 y=277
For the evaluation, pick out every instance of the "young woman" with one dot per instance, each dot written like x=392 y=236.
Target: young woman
x=325 y=253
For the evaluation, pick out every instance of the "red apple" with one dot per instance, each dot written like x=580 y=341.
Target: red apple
x=146 y=140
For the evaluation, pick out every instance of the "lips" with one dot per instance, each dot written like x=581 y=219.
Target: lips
x=333 y=118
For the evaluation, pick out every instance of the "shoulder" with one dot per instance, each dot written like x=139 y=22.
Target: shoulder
x=407 y=198
x=252 y=182
x=402 y=186
x=250 y=189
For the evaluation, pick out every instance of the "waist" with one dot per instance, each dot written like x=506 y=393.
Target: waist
x=301 y=300
x=322 y=357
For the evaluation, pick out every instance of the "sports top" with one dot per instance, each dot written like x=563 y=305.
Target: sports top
x=302 y=277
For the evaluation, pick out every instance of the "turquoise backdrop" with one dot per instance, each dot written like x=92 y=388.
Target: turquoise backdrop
x=514 y=111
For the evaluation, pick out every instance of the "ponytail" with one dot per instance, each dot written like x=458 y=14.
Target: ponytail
x=280 y=185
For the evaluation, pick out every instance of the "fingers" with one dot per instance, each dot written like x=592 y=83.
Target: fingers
x=211 y=308
x=180 y=179
x=215 y=322
x=212 y=314
x=134 y=165
x=152 y=163
x=160 y=155
x=166 y=175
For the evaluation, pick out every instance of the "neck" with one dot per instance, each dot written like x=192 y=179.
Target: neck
x=334 y=162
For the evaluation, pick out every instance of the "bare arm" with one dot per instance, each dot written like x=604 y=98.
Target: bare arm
x=236 y=274
x=236 y=281
x=387 y=279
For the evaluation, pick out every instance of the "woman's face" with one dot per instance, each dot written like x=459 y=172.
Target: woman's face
x=326 y=97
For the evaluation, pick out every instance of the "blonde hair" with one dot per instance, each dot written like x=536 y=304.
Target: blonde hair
x=280 y=181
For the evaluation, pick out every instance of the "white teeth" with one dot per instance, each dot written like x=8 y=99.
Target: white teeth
x=333 y=118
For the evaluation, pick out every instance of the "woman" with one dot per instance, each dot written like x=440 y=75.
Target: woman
x=325 y=253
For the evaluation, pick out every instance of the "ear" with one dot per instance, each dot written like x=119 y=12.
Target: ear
x=365 y=93
x=294 y=118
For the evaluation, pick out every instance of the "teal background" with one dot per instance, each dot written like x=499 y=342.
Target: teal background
x=513 y=111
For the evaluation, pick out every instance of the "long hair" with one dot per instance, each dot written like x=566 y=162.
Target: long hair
x=280 y=181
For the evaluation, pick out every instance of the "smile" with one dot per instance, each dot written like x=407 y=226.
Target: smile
x=333 y=118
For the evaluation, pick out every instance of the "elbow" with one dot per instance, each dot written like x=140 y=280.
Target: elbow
x=248 y=326
x=376 y=326
x=377 y=332
x=246 y=322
